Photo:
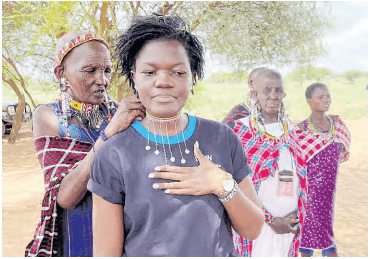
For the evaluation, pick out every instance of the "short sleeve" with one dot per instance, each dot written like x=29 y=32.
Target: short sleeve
x=241 y=169
x=105 y=179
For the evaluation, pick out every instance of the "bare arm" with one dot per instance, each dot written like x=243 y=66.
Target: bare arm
x=74 y=186
x=108 y=228
x=245 y=211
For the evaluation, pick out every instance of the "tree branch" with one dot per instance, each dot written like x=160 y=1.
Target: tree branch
x=103 y=17
x=10 y=61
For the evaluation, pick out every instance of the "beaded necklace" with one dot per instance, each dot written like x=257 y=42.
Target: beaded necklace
x=89 y=116
x=269 y=138
x=327 y=136
x=176 y=119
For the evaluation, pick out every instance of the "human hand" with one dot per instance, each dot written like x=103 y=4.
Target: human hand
x=199 y=180
x=284 y=225
x=129 y=108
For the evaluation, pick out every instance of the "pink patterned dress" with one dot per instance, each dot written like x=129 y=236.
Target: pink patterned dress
x=323 y=158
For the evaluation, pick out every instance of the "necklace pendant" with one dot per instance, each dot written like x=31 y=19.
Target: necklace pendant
x=147 y=148
x=156 y=152
x=187 y=151
x=183 y=161
x=172 y=159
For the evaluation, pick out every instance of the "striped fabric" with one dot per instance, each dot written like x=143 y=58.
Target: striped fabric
x=57 y=157
x=263 y=159
x=312 y=144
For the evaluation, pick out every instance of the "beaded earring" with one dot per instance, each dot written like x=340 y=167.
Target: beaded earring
x=65 y=98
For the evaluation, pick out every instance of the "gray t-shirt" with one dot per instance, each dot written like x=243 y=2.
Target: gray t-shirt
x=159 y=224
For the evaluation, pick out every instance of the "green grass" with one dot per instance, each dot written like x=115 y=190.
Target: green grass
x=214 y=101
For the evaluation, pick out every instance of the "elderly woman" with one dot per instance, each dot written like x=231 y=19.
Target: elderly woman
x=67 y=134
x=278 y=170
x=154 y=194
x=325 y=141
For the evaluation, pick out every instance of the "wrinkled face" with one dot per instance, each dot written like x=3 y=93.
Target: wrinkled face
x=270 y=93
x=320 y=99
x=163 y=77
x=88 y=71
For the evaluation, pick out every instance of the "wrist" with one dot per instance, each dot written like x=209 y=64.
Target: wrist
x=109 y=132
x=226 y=186
x=219 y=187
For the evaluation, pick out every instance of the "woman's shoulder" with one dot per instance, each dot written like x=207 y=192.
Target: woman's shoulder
x=45 y=121
x=209 y=125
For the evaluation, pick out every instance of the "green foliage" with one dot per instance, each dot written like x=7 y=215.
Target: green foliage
x=301 y=73
x=240 y=33
x=351 y=75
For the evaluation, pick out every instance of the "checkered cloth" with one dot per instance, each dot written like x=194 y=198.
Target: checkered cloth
x=312 y=144
x=263 y=159
x=57 y=156
x=239 y=111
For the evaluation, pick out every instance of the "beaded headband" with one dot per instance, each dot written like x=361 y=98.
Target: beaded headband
x=74 y=43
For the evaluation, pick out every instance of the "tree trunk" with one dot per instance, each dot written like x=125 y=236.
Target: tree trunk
x=23 y=84
x=17 y=122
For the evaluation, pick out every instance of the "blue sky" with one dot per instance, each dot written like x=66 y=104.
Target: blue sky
x=346 y=42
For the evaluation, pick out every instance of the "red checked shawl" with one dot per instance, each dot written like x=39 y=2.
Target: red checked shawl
x=312 y=144
x=263 y=159
x=57 y=156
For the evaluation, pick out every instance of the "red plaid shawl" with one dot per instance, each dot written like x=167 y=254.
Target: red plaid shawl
x=263 y=159
x=312 y=144
x=57 y=157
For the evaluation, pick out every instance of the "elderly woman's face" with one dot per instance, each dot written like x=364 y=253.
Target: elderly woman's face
x=88 y=70
x=163 y=77
x=270 y=93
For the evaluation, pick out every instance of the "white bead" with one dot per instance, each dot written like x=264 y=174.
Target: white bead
x=183 y=161
x=187 y=151
x=147 y=148
x=172 y=159
x=156 y=152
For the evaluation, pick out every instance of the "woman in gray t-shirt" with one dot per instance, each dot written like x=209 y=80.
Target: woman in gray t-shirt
x=171 y=184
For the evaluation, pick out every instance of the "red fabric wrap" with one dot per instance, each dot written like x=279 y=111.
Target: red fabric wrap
x=57 y=157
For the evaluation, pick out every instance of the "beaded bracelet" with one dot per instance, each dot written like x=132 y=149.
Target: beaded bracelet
x=268 y=217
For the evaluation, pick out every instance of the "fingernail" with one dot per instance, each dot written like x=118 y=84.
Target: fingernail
x=157 y=168
x=155 y=186
x=196 y=144
x=151 y=175
x=167 y=191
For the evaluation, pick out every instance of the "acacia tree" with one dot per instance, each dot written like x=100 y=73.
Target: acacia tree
x=243 y=34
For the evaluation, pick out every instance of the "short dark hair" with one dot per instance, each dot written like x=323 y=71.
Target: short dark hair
x=145 y=29
x=311 y=88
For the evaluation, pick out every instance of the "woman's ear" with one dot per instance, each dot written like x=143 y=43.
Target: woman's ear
x=309 y=102
x=193 y=79
x=132 y=75
x=59 y=72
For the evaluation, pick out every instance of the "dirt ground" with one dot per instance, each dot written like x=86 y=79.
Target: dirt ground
x=22 y=190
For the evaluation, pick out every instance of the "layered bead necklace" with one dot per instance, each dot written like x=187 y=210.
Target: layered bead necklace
x=326 y=135
x=163 y=122
x=265 y=137
x=90 y=116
